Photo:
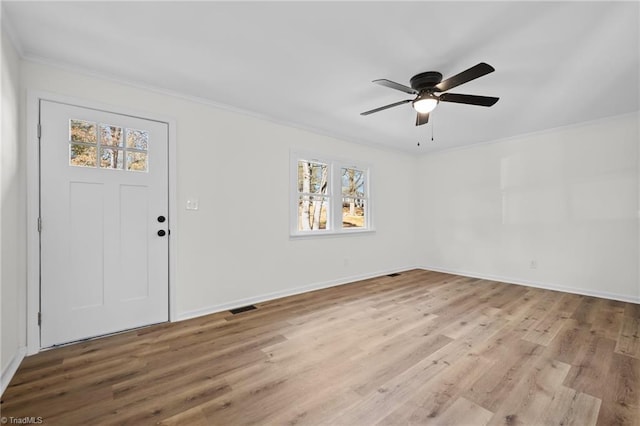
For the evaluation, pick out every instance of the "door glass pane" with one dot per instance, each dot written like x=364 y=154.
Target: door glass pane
x=312 y=212
x=111 y=158
x=353 y=213
x=82 y=155
x=137 y=161
x=138 y=139
x=82 y=131
x=110 y=135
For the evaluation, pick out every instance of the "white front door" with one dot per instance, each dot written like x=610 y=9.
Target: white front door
x=104 y=222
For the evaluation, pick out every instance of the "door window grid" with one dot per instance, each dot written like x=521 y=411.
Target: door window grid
x=112 y=147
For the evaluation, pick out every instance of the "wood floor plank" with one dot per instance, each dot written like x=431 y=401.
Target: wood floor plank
x=192 y=417
x=516 y=309
x=497 y=382
x=529 y=399
x=621 y=392
x=571 y=408
x=569 y=303
x=153 y=409
x=591 y=369
x=388 y=363
x=587 y=311
x=545 y=330
x=95 y=378
x=632 y=310
x=429 y=405
x=388 y=395
x=401 y=388
x=608 y=318
x=464 y=412
x=330 y=393
x=422 y=347
x=568 y=344
x=628 y=342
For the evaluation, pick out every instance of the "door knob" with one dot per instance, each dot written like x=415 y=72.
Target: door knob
x=162 y=233
x=161 y=219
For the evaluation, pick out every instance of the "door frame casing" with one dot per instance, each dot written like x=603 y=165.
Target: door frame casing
x=33 y=202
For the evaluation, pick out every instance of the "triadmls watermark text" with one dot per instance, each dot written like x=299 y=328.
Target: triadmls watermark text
x=27 y=420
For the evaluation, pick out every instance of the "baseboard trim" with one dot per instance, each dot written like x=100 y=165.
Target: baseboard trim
x=284 y=293
x=10 y=371
x=535 y=284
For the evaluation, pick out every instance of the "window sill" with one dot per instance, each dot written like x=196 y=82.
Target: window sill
x=326 y=234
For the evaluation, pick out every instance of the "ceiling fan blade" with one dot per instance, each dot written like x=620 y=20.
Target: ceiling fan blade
x=486 y=101
x=397 y=86
x=465 y=76
x=422 y=118
x=386 y=107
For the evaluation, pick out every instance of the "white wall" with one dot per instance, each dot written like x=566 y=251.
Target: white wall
x=13 y=209
x=566 y=199
x=236 y=248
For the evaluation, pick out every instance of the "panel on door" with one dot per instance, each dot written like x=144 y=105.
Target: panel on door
x=104 y=183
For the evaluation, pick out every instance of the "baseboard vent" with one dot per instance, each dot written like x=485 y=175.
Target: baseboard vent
x=395 y=274
x=242 y=309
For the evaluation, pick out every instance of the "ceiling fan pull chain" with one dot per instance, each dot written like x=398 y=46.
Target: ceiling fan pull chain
x=432 y=130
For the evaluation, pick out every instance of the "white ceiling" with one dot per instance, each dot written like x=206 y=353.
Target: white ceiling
x=310 y=64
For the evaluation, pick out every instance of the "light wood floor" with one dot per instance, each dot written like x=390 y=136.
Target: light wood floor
x=419 y=348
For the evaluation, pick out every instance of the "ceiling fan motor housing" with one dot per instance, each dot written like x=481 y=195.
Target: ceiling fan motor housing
x=425 y=80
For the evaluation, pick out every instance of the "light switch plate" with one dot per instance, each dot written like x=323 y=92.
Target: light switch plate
x=192 y=204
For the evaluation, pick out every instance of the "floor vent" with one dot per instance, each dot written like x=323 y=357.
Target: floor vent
x=395 y=274
x=242 y=309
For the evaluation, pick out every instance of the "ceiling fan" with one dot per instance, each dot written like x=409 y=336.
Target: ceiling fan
x=429 y=88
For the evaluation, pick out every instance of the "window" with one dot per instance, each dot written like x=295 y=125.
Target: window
x=328 y=197
x=354 y=200
x=87 y=139
x=313 y=202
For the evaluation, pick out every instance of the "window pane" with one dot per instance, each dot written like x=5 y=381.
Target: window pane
x=110 y=135
x=312 y=177
x=137 y=161
x=353 y=181
x=111 y=158
x=82 y=131
x=138 y=139
x=312 y=213
x=353 y=213
x=82 y=155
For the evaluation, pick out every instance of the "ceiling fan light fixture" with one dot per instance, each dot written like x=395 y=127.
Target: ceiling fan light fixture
x=425 y=103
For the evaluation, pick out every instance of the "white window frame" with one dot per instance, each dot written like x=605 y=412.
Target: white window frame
x=334 y=195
